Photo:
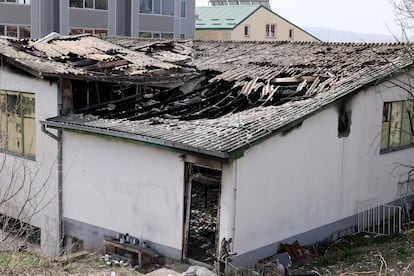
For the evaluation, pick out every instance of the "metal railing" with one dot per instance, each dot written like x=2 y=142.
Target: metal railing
x=380 y=219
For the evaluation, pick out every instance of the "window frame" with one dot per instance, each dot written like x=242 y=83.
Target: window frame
x=183 y=9
x=83 y=5
x=96 y=32
x=16 y=2
x=270 y=30
x=24 y=121
x=161 y=7
x=397 y=126
x=19 y=30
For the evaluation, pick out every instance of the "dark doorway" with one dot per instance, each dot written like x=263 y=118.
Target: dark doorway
x=202 y=211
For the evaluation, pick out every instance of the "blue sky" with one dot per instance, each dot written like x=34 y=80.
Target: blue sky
x=361 y=16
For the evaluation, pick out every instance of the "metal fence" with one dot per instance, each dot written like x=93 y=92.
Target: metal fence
x=380 y=219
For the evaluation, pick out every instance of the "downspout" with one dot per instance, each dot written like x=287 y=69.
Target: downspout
x=58 y=138
x=233 y=228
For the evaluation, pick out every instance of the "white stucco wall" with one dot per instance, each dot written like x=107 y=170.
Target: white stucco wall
x=309 y=177
x=124 y=187
x=41 y=172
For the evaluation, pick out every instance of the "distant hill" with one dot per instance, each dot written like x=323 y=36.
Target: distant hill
x=330 y=35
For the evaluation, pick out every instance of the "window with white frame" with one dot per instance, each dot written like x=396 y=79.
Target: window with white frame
x=24 y=2
x=17 y=31
x=270 y=30
x=162 y=7
x=397 y=125
x=97 y=32
x=89 y=4
x=17 y=123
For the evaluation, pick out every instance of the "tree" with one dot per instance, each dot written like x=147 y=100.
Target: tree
x=23 y=195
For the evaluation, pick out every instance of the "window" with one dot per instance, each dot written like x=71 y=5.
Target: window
x=168 y=7
x=89 y=4
x=144 y=35
x=15 y=31
x=76 y=3
x=397 y=125
x=158 y=35
x=291 y=33
x=11 y=31
x=167 y=35
x=246 y=30
x=164 y=7
x=270 y=30
x=25 y=2
x=24 y=31
x=97 y=32
x=101 y=4
x=183 y=6
x=182 y=36
x=17 y=123
x=145 y=6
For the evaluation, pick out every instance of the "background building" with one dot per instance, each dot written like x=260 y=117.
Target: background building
x=246 y=22
x=240 y=2
x=135 y=18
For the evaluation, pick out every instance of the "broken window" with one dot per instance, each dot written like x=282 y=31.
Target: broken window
x=202 y=208
x=397 y=124
x=17 y=123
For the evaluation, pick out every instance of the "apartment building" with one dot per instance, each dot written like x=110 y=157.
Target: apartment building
x=135 y=18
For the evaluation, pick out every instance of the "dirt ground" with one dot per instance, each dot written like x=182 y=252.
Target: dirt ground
x=354 y=255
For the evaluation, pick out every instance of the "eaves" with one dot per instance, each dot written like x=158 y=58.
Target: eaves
x=155 y=142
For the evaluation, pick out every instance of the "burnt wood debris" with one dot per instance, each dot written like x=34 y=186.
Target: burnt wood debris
x=124 y=78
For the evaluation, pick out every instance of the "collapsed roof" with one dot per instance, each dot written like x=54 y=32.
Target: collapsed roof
x=213 y=98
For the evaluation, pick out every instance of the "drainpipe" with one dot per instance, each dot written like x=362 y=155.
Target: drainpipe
x=234 y=205
x=58 y=138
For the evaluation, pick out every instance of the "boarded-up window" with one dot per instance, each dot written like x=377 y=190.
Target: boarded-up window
x=397 y=124
x=17 y=123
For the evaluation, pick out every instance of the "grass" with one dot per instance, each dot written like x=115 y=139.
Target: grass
x=10 y=260
x=360 y=248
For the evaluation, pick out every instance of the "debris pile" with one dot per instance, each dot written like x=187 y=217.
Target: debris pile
x=204 y=204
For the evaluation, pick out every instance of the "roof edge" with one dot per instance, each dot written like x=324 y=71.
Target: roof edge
x=138 y=138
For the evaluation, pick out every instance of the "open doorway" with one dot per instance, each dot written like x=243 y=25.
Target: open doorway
x=202 y=201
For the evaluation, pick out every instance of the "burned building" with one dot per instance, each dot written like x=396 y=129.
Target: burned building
x=186 y=143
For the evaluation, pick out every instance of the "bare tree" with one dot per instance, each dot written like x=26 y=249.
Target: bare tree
x=23 y=195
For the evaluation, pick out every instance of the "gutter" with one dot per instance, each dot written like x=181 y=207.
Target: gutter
x=58 y=138
x=135 y=137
